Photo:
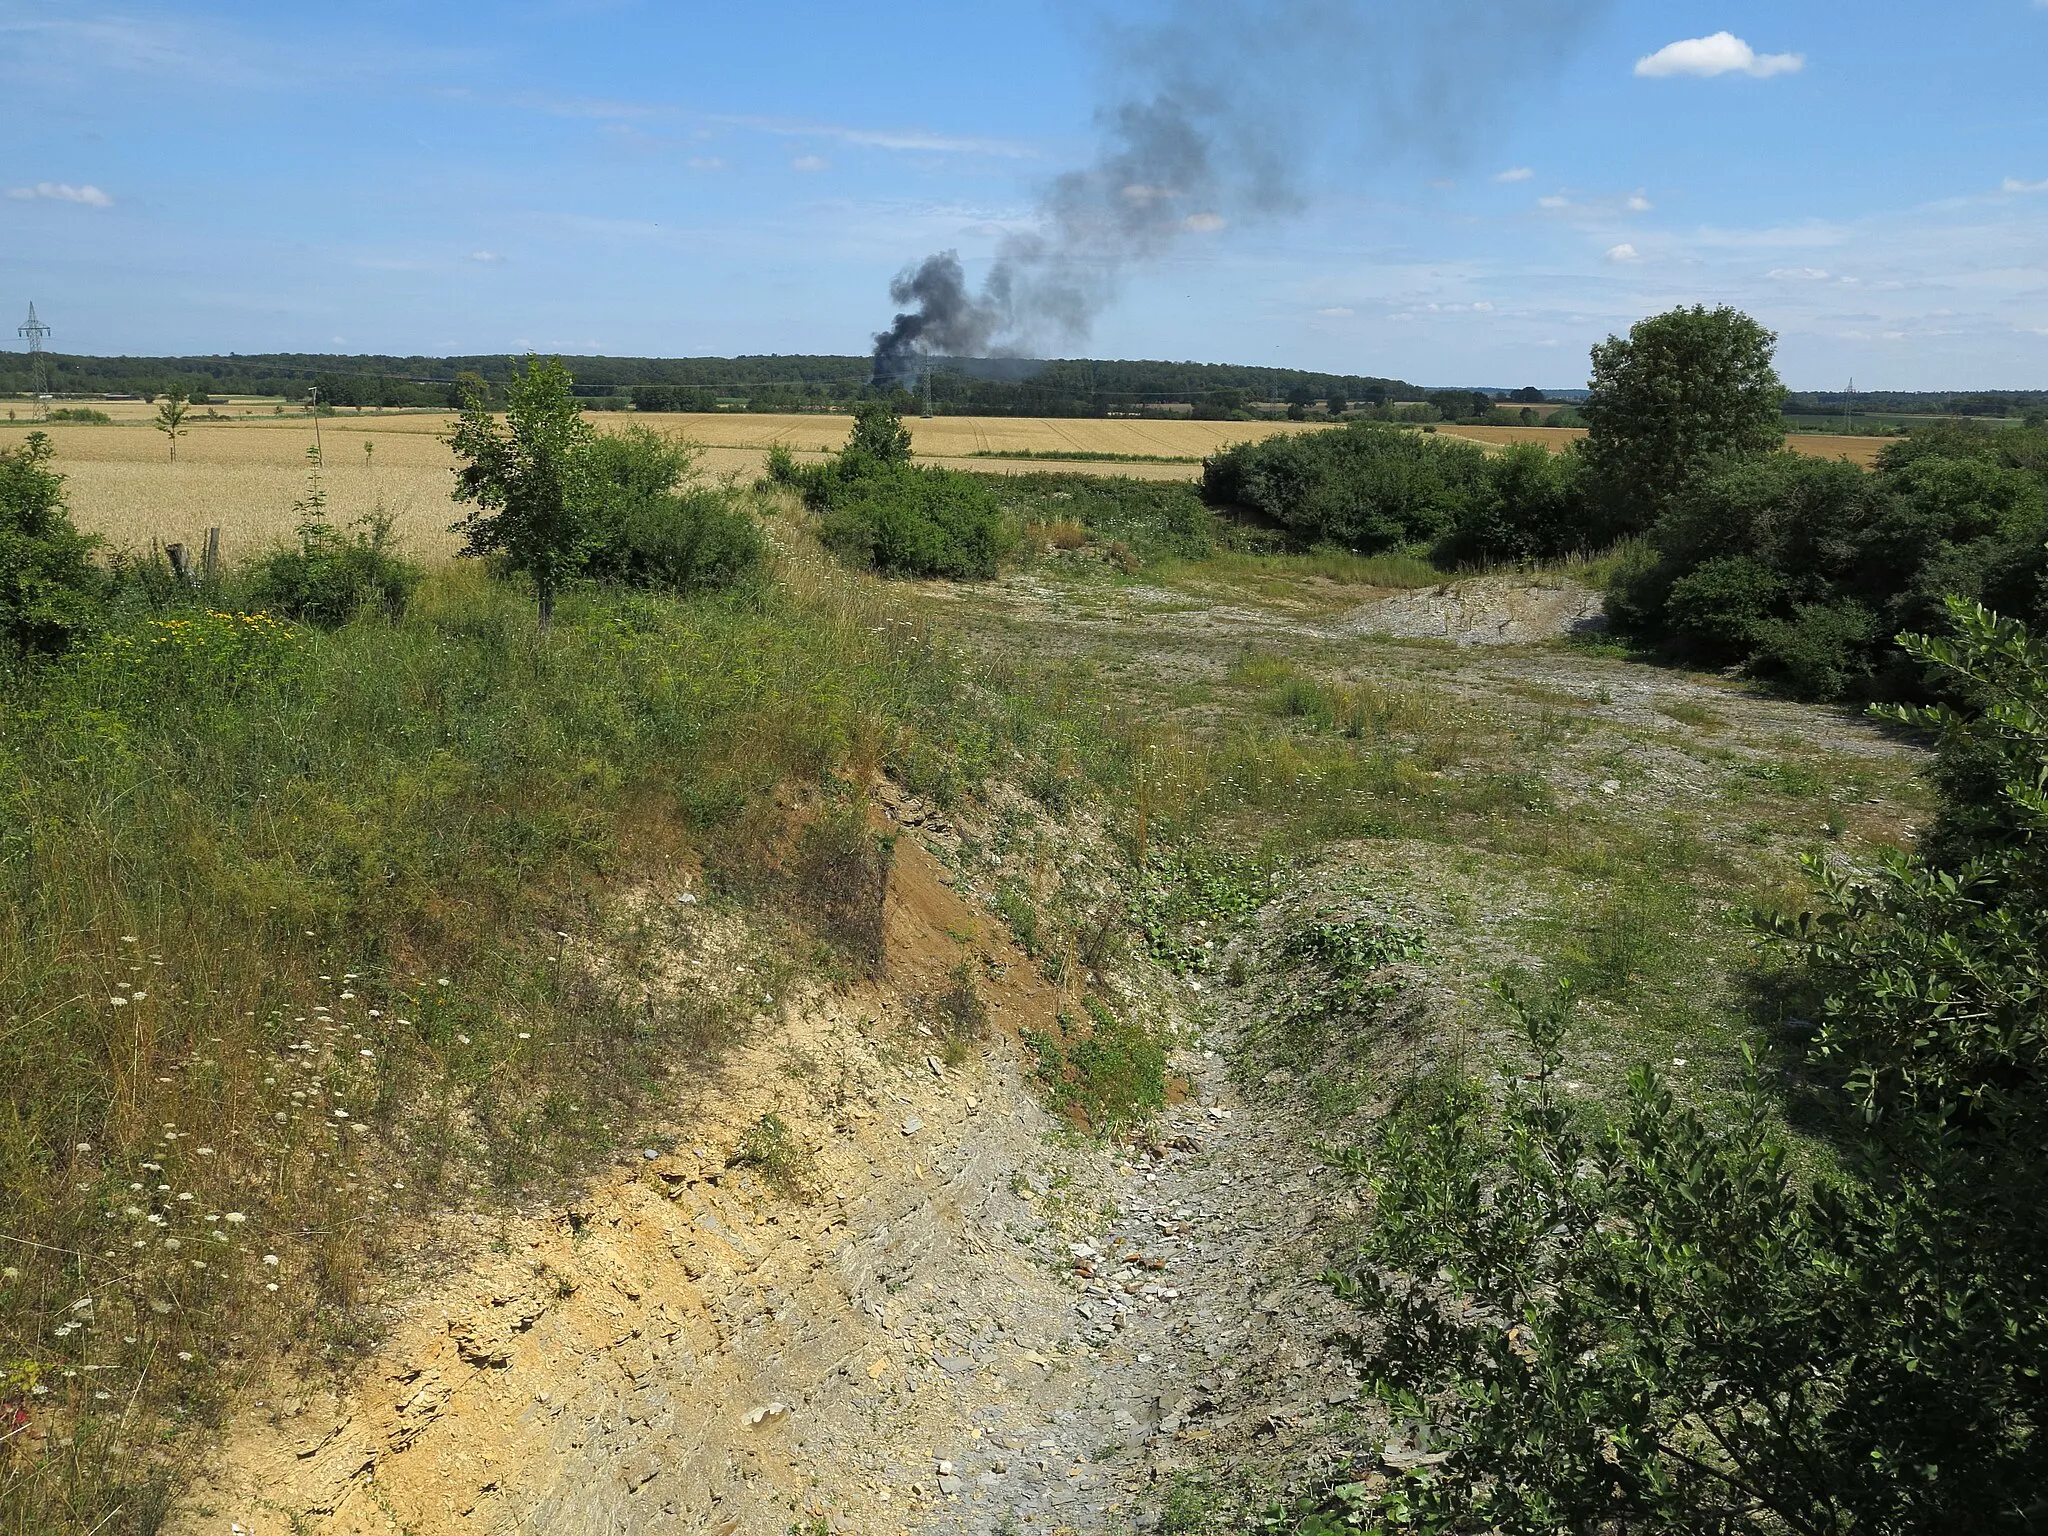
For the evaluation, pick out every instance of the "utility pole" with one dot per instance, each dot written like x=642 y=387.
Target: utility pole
x=927 y=388
x=1849 y=410
x=35 y=332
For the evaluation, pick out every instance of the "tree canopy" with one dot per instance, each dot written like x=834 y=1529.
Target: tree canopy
x=1680 y=391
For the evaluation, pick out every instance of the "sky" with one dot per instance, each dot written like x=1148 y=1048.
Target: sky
x=1476 y=202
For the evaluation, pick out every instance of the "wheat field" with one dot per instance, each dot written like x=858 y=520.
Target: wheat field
x=242 y=472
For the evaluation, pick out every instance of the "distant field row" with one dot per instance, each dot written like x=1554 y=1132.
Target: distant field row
x=242 y=474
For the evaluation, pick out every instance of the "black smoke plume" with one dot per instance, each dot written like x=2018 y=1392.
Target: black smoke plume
x=1227 y=112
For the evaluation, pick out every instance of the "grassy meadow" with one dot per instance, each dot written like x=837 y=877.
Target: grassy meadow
x=311 y=936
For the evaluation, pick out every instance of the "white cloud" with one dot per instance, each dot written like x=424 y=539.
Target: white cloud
x=1519 y=173
x=1553 y=201
x=488 y=258
x=1721 y=54
x=913 y=139
x=1799 y=274
x=809 y=163
x=1637 y=203
x=64 y=192
x=1205 y=223
x=2013 y=183
x=1623 y=252
x=1337 y=312
x=706 y=163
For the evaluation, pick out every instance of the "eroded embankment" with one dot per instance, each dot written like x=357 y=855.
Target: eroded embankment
x=965 y=1318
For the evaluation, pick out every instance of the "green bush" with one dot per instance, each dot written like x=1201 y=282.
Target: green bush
x=1801 y=569
x=882 y=512
x=915 y=521
x=333 y=574
x=1363 y=486
x=1370 y=487
x=1657 y=1319
x=1528 y=506
x=651 y=523
x=51 y=594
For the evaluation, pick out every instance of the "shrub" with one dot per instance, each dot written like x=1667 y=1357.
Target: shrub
x=650 y=523
x=1647 y=1320
x=51 y=594
x=333 y=574
x=915 y=521
x=1528 y=505
x=1364 y=486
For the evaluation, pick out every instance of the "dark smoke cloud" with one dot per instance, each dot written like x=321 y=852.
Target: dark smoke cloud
x=1231 y=111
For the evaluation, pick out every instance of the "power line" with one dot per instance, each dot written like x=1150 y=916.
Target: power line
x=35 y=333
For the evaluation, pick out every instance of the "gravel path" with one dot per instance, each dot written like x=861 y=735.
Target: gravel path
x=1195 y=1328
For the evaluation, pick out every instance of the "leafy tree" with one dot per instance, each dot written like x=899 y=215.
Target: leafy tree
x=1338 y=404
x=170 y=416
x=1652 y=1320
x=1682 y=390
x=879 y=436
x=529 y=480
x=50 y=591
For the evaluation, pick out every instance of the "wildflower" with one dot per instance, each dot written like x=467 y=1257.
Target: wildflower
x=118 y=1002
x=367 y=1055
x=85 y=1146
x=270 y=1259
x=236 y=1218
x=347 y=996
x=10 y=1273
x=140 y=996
x=204 y=1151
x=272 y=1286
x=173 y=1244
x=185 y=1355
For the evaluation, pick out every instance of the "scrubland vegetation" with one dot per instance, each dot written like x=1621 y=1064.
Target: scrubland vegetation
x=327 y=907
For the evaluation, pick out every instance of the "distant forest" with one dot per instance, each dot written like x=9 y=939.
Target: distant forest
x=965 y=386
x=959 y=386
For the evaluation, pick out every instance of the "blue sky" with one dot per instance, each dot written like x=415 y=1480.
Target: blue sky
x=684 y=179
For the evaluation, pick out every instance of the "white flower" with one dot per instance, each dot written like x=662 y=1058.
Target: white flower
x=270 y=1259
x=85 y=1146
x=347 y=997
x=173 y=1244
x=118 y=1002
x=185 y=1355
x=271 y=1287
x=236 y=1218
x=140 y=996
x=367 y=1055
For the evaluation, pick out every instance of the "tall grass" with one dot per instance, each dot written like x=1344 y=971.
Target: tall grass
x=296 y=933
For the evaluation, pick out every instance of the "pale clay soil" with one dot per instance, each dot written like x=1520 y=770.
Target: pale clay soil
x=979 y=1320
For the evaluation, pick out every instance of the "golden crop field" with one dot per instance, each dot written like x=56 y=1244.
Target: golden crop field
x=243 y=472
